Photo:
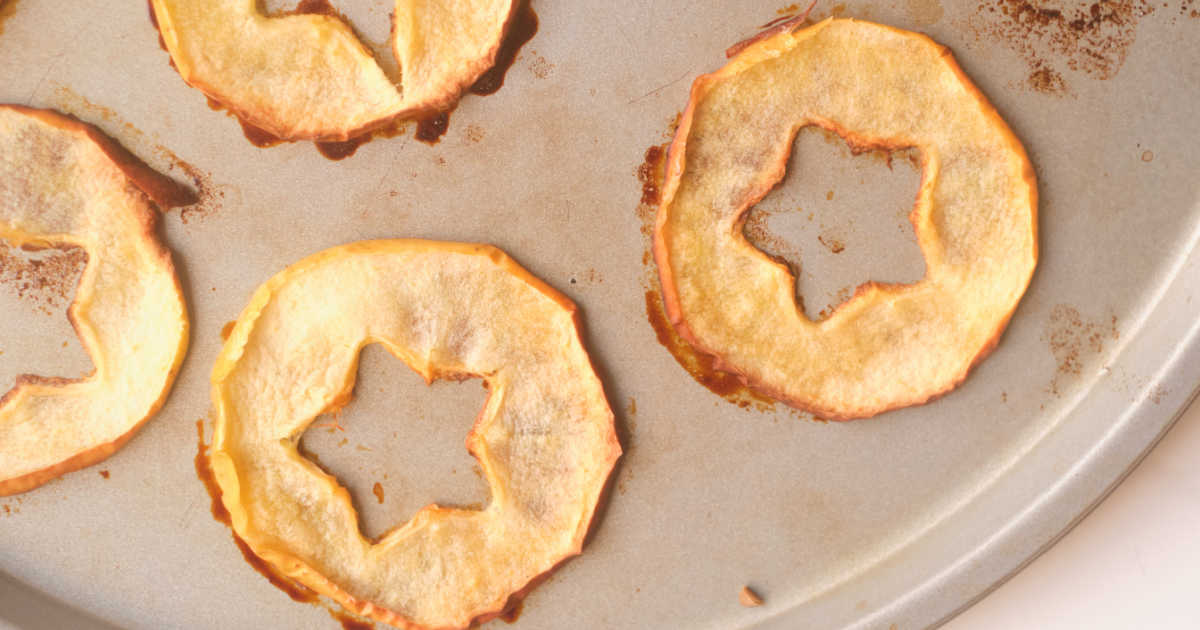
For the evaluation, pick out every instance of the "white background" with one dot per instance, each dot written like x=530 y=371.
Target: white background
x=1134 y=562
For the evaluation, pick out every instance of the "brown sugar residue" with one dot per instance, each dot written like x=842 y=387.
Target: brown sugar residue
x=589 y=277
x=7 y=9
x=840 y=298
x=1047 y=80
x=474 y=133
x=1074 y=341
x=46 y=279
x=833 y=244
x=925 y=12
x=788 y=10
x=760 y=236
x=377 y=489
x=701 y=366
x=227 y=329
x=539 y=66
x=1157 y=395
x=1092 y=38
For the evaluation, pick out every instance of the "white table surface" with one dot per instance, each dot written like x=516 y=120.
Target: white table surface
x=1134 y=562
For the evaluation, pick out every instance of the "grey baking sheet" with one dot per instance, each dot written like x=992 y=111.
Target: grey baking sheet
x=896 y=521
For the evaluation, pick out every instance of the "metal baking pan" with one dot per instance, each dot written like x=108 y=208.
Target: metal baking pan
x=891 y=522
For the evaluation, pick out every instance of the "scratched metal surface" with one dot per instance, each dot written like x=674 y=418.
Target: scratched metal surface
x=895 y=522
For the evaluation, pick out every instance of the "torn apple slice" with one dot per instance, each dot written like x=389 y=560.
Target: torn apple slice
x=975 y=219
x=545 y=438
x=63 y=183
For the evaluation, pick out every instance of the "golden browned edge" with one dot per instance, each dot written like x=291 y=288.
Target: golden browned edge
x=450 y=98
x=760 y=50
x=225 y=470
x=147 y=180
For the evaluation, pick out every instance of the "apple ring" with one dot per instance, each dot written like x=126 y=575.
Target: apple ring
x=544 y=439
x=308 y=77
x=63 y=183
x=975 y=219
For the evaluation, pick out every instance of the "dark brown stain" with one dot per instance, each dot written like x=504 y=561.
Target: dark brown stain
x=701 y=366
x=7 y=9
x=47 y=282
x=1092 y=38
x=650 y=174
x=378 y=490
x=341 y=150
x=227 y=329
x=105 y=474
x=833 y=244
x=1074 y=340
x=474 y=133
x=204 y=472
x=431 y=128
x=316 y=7
x=521 y=29
x=513 y=612
x=257 y=136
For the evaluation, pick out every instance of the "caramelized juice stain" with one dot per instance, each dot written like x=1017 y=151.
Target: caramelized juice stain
x=523 y=27
x=513 y=612
x=650 y=174
x=341 y=150
x=204 y=471
x=430 y=129
x=227 y=329
x=701 y=366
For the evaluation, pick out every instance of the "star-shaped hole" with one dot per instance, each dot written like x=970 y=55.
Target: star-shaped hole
x=399 y=444
x=839 y=219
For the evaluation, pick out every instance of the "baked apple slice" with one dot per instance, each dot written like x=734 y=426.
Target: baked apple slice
x=65 y=184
